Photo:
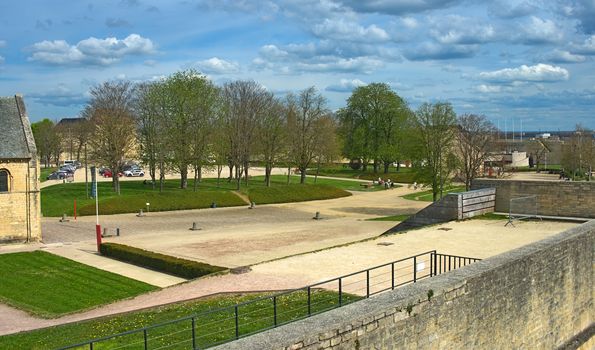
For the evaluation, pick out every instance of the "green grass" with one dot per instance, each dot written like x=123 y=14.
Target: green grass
x=401 y=217
x=217 y=326
x=404 y=175
x=48 y=285
x=44 y=172
x=59 y=199
x=426 y=196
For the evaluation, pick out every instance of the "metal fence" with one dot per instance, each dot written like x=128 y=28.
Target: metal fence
x=225 y=324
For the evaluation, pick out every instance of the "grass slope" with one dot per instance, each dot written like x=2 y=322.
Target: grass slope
x=49 y=286
x=426 y=196
x=215 y=327
x=44 y=172
x=401 y=217
x=404 y=175
x=59 y=199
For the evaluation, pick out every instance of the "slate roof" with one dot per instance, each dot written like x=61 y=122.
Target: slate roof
x=13 y=129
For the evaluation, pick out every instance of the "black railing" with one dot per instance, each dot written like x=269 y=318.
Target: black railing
x=225 y=324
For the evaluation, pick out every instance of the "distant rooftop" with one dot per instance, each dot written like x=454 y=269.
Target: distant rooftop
x=69 y=121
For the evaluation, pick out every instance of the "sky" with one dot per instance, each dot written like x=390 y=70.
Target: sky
x=528 y=63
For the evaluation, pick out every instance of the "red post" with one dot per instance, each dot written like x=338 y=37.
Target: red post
x=75 y=209
x=98 y=234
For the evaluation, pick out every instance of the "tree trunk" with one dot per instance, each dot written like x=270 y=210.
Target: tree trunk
x=195 y=178
x=219 y=170
x=184 y=177
x=288 y=173
x=375 y=166
x=302 y=175
x=230 y=172
x=238 y=178
x=246 y=166
x=317 y=172
x=267 y=174
x=386 y=166
x=199 y=176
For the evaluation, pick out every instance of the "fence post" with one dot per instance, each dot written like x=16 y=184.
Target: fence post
x=392 y=274
x=414 y=269
x=367 y=283
x=309 y=302
x=435 y=264
x=91 y=346
x=145 y=338
x=193 y=333
x=431 y=264
x=237 y=326
x=340 y=292
x=275 y=311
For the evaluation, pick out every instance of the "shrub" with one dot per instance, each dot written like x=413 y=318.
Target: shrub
x=158 y=262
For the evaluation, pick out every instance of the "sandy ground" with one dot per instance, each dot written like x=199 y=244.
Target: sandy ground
x=266 y=238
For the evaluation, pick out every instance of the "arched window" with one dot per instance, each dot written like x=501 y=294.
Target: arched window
x=4 y=180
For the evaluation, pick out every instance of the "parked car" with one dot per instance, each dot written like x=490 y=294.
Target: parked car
x=134 y=172
x=108 y=173
x=57 y=175
x=102 y=170
x=68 y=168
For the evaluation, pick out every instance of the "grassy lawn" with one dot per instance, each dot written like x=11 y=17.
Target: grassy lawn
x=59 y=199
x=401 y=217
x=404 y=175
x=44 y=172
x=426 y=196
x=48 y=285
x=217 y=326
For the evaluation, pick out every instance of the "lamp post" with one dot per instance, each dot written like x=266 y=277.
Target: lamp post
x=97 y=226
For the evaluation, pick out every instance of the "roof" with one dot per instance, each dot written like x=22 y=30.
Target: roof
x=70 y=121
x=16 y=138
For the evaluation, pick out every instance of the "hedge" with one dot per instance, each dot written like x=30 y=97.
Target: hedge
x=159 y=262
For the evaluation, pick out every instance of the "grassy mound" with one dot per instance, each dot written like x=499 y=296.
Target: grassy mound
x=158 y=262
x=294 y=193
x=48 y=285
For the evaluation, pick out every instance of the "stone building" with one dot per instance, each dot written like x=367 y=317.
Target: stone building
x=19 y=174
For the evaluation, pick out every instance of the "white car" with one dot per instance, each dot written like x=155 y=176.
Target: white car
x=134 y=172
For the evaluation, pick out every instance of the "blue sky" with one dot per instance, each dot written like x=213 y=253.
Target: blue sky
x=527 y=61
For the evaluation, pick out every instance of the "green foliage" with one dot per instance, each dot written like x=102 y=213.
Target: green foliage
x=427 y=196
x=294 y=193
x=401 y=217
x=217 y=326
x=158 y=262
x=48 y=285
x=430 y=294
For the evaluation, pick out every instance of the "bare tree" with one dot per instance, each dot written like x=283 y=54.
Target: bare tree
x=328 y=145
x=435 y=133
x=474 y=136
x=272 y=134
x=111 y=114
x=304 y=112
x=245 y=102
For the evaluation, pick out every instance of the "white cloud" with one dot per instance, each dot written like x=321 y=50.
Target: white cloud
x=562 y=56
x=345 y=85
x=586 y=48
x=537 y=73
x=488 y=88
x=339 y=29
x=359 y=64
x=539 y=31
x=216 y=65
x=455 y=29
x=91 y=51
x=409 y=22
x=2 y=43
x=272 y=52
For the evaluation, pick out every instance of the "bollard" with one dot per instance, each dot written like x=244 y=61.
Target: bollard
x=317 y=216
x=194 y=227
x=118 y=232
x=140 y=213
x=213 y=205
x=252 y=205
x=104 y=232
x=64 y=219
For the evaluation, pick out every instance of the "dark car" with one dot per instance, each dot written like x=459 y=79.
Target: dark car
x=57 y=175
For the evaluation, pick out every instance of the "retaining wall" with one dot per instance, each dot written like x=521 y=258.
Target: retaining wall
x=539 y=296
x=554 y=198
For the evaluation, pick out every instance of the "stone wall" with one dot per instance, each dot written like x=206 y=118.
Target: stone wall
x=539 y=296
x=20 y=207
x=554 y=198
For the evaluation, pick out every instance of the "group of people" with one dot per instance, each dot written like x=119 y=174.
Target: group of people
x=387 y=184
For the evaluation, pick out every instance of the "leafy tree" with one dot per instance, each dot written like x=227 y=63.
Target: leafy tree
x=47 y=140
x=434 y=137
x=372 y=125
x=328 y=148
x=110 y=111
x=272 y=135
x=474 y=136
x=578 y=153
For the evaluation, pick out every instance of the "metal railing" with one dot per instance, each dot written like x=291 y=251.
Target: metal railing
x=229 y=323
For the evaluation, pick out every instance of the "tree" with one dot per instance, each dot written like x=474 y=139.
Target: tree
x=578 y=153
x=539 y=150
x=474 y=136
x=304 y=114
x=272 y=135
x=110 y=111
x=328 y=147
x=372 y=125
x=244 y=103
x=435 y=133
x=47 y=140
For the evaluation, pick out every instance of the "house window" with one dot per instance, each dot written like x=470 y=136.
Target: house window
x=4 y=178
